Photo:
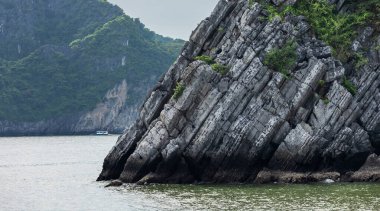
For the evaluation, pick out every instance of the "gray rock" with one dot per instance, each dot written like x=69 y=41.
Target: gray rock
x=369 y=172
x=227 y=128
x=114 y=183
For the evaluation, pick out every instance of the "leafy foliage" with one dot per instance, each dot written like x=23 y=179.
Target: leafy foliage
x=360 y=60
x=336 y=29
x=219 y=68
x=349 y=86
x=325 y=100
x=321 y=83
x=250 y=3
x=274 y=11
x=370 y=7
x=282 y=59
x=178 y=91
x=68 y=77
x=205 y=58
x=43 y=22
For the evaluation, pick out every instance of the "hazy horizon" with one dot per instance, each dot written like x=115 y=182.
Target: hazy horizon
x=172 y=18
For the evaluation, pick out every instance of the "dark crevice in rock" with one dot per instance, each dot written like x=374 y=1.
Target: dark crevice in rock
x=193 y=169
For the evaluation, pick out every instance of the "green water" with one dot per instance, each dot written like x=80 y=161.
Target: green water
x=58 y=173
x=346 y=196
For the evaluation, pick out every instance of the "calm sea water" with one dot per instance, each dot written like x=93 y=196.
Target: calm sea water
x=58 y=173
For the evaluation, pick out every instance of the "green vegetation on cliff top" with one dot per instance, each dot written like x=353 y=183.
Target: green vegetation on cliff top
x=282 y=59
x=336 y=29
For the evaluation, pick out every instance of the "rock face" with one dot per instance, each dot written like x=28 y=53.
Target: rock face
x=228 y=128
x=105 y=112
x=369 y=172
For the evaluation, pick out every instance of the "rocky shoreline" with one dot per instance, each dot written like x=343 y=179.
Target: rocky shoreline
x=370 y=172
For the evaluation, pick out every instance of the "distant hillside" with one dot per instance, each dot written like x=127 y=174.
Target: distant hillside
x=59 y=58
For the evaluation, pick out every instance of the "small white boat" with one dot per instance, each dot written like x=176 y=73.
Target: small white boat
x=101 y=132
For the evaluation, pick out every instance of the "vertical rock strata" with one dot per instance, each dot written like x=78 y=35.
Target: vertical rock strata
x=227 y=128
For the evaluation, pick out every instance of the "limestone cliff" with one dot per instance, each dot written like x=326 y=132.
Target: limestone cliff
x=204 y=123
x=113 y=114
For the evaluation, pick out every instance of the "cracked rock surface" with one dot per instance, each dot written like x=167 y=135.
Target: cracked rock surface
x=229 y=128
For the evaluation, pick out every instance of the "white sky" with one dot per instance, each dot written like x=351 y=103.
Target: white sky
x=173 y=18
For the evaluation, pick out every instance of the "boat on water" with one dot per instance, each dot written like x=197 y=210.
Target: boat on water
x=101 y=132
